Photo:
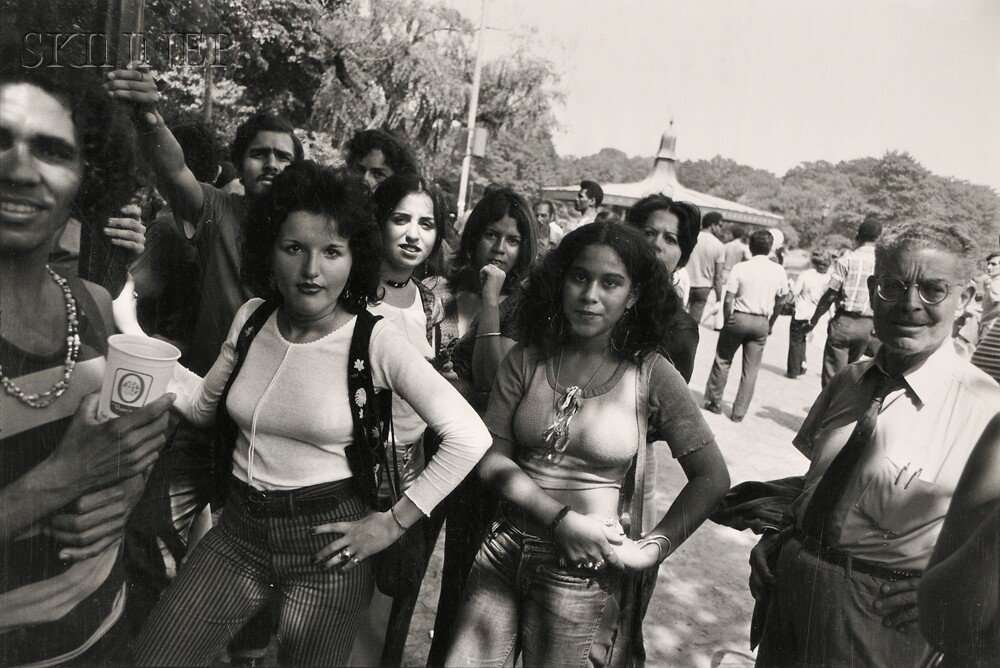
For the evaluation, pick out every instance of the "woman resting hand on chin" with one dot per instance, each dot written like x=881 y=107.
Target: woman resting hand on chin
x=568 y=414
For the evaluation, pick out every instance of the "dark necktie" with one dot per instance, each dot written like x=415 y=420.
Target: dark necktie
x=819 y=512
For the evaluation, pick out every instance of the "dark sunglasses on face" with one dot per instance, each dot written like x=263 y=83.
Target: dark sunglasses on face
x=931 y=291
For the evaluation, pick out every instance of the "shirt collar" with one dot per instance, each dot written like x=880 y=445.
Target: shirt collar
x=925 y=380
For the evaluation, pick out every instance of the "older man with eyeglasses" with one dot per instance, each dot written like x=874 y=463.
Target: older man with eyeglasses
x=887 y=440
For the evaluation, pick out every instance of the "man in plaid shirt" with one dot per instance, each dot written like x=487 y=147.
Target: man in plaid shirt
x=849 y=333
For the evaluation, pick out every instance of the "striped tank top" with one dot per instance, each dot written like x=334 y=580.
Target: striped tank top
x=51 y=611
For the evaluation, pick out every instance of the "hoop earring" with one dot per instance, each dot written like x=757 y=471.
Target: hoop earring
x=628 y=330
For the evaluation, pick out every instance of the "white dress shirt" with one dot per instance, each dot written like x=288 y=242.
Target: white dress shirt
x=895 y=501
x=756 y=284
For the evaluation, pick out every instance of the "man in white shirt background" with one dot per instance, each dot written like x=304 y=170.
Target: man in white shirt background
x=809 y=288
x=707 y=266
x=753 y=291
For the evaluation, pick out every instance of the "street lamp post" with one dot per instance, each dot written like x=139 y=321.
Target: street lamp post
x=463 y=183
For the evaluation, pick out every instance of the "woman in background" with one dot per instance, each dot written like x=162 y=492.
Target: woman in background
x=807 y=290
x=496 y=251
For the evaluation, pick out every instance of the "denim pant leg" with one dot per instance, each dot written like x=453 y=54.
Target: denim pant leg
x=488 y=620
x=754 y=339
x=224 y=582
x=563 y=608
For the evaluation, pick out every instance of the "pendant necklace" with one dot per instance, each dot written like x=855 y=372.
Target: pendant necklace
x=557 y=435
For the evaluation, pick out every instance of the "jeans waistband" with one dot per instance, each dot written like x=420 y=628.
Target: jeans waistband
x=283 y=503
x=853 y=314
x=755 y=315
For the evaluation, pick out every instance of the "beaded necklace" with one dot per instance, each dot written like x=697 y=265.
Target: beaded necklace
x=46 y=398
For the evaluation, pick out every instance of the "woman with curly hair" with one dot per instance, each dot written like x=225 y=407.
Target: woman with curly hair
x=568 y=413
x=297 y=523
x=67 y=481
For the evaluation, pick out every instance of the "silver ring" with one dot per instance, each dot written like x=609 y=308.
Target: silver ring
x=355 y=561
x=346 y=554
x=589 y=565
x=609 y=522
x=599 y=565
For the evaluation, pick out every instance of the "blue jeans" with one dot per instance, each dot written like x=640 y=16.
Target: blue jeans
x=519 y=599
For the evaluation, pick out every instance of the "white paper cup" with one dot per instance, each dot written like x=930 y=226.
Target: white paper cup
x=137 y=372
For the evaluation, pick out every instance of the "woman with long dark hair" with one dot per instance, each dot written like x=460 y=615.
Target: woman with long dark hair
x=411 y=215
x=299 y=521
x=569 y=410
x=496 y=251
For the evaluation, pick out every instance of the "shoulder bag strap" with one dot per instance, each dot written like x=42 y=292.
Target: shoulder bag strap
x=226 y=430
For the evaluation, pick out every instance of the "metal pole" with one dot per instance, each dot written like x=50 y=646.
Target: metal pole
x=463 y=184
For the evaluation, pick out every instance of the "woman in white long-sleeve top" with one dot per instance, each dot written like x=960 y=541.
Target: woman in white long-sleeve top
x=298 y=521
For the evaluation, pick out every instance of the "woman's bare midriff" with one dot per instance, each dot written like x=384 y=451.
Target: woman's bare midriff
x=601 y=504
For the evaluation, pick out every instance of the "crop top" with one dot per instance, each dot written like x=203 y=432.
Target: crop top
x=291 y=405
x=604 y=434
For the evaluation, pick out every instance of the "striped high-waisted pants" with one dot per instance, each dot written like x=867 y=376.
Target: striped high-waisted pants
x=237 y=568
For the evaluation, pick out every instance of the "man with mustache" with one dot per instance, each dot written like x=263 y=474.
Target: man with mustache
x=887 y=441
x=263 y=147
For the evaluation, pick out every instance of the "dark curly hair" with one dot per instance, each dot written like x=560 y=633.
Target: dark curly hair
x=688 y=220
x=643 y=329
x=394 y=189
x=306 y=186
x=104 y=134
x=495 y=206
x=398 y=156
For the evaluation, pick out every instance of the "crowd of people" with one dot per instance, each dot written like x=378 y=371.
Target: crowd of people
x=362 y=369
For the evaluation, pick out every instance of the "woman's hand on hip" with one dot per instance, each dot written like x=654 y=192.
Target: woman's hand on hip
x=358 y=540
x=585 y=541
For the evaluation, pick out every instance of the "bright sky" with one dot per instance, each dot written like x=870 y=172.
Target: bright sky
x=771 y=83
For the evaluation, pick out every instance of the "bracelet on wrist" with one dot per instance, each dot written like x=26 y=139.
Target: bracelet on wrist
x=392 y=512
x=654 y=539
x=558 y=518
x=486 y=334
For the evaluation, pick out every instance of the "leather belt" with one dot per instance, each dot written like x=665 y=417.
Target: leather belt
x=847 y=562
x=284 y=503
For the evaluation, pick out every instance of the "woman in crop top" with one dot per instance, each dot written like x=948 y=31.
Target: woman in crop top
x=293 y=525
x=568 y=414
